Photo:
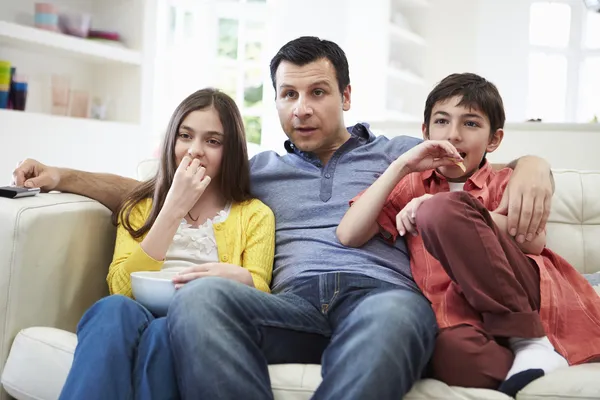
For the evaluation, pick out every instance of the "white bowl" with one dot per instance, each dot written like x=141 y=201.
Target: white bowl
x=154 y=290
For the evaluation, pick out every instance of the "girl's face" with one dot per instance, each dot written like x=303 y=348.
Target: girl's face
x=468 y=130
x=201 y=136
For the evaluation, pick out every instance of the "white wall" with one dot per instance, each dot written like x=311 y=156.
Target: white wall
x=98 y=146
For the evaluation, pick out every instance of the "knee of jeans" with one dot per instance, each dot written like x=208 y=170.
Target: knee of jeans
x=433 y=213
x=203 y=294
x=112 y=307
x=399 y=312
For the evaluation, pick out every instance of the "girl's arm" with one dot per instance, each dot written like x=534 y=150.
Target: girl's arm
x=130 y=255
x=259 y=252
x=359 y=224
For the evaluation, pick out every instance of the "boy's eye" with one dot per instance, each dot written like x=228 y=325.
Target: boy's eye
x=472 y=124
x=440 y=121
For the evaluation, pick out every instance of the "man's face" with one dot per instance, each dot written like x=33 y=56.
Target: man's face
x=310 y=105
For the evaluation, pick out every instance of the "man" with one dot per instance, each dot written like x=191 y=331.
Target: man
x=357 y=312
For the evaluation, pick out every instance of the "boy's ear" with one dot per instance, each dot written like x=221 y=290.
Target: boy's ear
x=424 y=130
x=495 y=141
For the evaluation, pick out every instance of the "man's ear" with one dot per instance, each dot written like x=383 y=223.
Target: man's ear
x=495 y=141
x=425 y=131
x=346 y=98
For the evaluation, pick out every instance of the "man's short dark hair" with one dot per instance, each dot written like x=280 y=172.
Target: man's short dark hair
x=476 y=93
x=307 y=49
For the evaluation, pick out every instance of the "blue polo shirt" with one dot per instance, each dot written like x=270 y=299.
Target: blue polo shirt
x=309 y=201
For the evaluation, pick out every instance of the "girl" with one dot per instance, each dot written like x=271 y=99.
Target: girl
x=196 y=213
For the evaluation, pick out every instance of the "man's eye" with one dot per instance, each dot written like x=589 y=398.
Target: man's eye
x=290 y=94
x=319 y=92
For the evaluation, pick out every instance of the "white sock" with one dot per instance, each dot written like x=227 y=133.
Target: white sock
x=535 y=353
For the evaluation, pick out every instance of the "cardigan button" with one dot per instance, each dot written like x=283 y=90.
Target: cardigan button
x=218 y=227
x=225 y=258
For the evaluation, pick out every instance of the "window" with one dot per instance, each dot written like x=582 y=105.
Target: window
x=564 y=39
x=218 y=43
x=241 y=68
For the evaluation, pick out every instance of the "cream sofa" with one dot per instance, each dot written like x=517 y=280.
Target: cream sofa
x=55 y=249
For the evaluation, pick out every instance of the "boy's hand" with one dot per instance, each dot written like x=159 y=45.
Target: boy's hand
x=405 y=220
x=430 y=154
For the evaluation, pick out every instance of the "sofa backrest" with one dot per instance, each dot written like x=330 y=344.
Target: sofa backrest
x=574 y=226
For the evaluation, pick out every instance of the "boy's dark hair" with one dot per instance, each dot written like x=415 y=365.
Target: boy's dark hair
x=307 y=49
x=476 y=93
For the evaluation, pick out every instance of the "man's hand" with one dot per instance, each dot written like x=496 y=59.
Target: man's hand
x=527 y=199
x=405 y=220
x=228 y=271
x=33 y=174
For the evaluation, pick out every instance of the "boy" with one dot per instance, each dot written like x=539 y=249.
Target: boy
x=505 y=309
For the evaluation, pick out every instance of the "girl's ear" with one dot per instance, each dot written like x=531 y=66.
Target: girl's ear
x=495 y=140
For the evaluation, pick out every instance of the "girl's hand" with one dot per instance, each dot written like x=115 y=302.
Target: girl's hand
x=188 y=185
x=430 y=154
x=405 y=220
x=228 y=271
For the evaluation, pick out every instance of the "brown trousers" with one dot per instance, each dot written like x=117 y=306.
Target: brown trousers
x=496 y=279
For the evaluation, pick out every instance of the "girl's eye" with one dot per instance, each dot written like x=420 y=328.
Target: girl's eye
x=183 y=135
x=213 y=141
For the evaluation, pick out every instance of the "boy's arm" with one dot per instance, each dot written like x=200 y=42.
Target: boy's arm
x=359 y=224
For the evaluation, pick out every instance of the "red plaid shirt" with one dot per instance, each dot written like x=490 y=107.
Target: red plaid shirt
x=570 y=307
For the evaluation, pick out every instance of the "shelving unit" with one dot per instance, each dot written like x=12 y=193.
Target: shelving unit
x=120 y=74
x=40 y=41
x=406 y=36
x=405 y=85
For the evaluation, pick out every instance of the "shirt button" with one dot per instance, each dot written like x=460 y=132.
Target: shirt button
x=327 y=176
x=225 y=258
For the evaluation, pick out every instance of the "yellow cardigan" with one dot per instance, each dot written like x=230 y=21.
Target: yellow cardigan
x=246 y=238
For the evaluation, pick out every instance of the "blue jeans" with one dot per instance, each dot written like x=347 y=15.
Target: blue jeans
x=123 y=352
x=372 y=339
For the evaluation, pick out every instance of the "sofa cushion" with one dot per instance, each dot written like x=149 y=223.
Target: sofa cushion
x=574 y=224
x=40 y=359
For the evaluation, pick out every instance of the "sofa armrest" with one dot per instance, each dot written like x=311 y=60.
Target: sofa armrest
x=55 y=250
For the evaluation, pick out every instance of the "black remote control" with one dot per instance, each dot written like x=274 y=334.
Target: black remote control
x=13 y=192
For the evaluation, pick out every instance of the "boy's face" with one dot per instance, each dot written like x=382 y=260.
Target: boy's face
x=467 y=129
x=310 y=105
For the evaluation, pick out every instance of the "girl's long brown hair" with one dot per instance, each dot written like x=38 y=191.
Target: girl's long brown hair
x=234 y=179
